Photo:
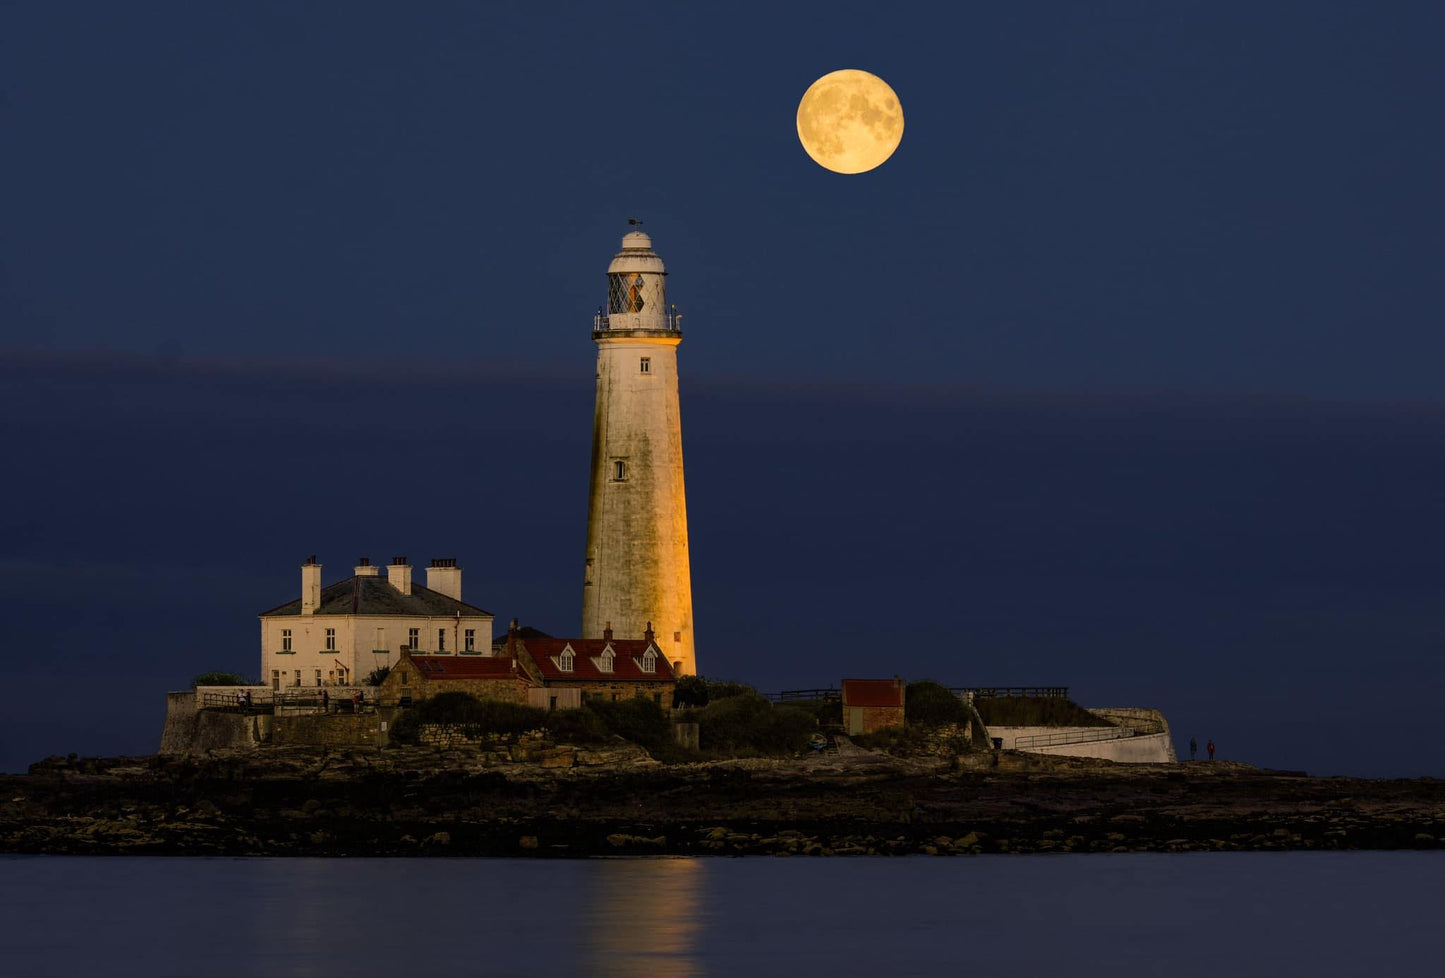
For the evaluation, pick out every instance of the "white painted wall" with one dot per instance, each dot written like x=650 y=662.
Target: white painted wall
x=1010 y=735
x=1143 y=749
x=363 y=643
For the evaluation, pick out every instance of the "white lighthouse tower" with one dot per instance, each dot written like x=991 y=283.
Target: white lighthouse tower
x=637 y=573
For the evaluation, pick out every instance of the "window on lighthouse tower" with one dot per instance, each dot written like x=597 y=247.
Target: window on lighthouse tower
x=624 y=292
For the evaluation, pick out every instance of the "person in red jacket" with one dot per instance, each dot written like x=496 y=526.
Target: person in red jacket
x=1210 y=747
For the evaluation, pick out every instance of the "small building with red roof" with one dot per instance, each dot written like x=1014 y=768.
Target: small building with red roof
x=574 y=670
x=418 y=677
x=872 y=704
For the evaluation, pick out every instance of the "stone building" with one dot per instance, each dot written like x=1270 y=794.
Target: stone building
x=872 y=704
x=337 y=634
x=418 y=677
x=637 y=567
x=574 y=670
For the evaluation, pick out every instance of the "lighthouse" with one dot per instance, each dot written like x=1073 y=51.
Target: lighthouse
x=637 y=574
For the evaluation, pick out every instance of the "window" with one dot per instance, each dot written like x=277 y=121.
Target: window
x=647 y=365
x=413 y=638
x=649 y=661
x=330 y=640
x=331 y=676
x=657 y=698
x=380 y=645
x=677 y=636
x=298 y=677
x=471 y=637
x=624 y=292
x=619 y=470
x=405 y=678
x=567 y=660
x=605 y=660
x=318 y=677
x=285 y=640
x=441 y=639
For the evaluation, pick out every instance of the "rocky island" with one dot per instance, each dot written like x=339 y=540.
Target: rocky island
x=529 y=796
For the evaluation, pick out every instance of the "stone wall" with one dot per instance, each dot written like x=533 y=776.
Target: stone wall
x=332 y=730
x=192 y=731
x=180 y=728
x=620 y=690
x=866 y=719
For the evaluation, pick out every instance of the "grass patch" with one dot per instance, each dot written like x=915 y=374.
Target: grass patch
x=1035 y=711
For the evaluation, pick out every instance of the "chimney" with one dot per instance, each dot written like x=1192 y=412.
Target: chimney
x=365 y=568
x=445 y=577
x=398 y=575
x=648 y=634
x=310 y=586
x=607 y=632
x=512 y=639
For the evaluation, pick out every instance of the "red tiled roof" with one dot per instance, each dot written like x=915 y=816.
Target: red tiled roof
x=873 y=692
x=624 y=666
x=463 y=666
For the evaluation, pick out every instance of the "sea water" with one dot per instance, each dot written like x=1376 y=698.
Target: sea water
x=1347 y=914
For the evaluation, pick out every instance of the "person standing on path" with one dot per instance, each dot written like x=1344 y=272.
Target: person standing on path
x=1193 y=748
x=1210 y=747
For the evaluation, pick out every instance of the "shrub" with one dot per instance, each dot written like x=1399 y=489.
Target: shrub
x=1035 y=711
x=749 y=723
x=582 y=726
x=901 y=741
x=690 y=691
x=463 y=709
x=378 y=676
x=828 y=713
x=930 y=704
x=218 y=679
x=721 y=690
x=639 y=720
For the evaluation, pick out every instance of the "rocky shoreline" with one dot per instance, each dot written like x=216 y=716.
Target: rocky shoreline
x=542 y=800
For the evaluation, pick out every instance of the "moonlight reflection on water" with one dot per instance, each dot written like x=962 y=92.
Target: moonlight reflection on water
x=1259 y=913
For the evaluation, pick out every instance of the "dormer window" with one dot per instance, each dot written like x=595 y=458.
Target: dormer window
x=606 y=659
x=567 y=661
x=648 y=661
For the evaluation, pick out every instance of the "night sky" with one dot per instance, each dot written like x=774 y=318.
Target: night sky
x=1120 y=374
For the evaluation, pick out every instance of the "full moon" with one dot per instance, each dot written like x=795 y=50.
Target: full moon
x=850 y=121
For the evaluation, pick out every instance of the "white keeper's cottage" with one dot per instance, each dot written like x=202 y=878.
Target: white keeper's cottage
x=337 y=634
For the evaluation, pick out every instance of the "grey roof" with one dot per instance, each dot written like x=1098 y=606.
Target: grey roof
x=374 y=596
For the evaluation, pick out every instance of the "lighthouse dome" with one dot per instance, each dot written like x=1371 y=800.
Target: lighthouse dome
x=636 y=256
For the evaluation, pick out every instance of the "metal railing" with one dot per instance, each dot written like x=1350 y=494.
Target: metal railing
x=1038 y=692
x=601 y=322
x=339 y=698
x=1072 y=737
x=804 y=695
x=979 y=692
